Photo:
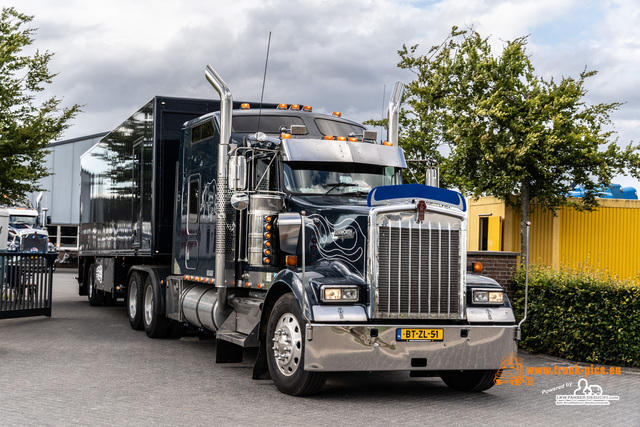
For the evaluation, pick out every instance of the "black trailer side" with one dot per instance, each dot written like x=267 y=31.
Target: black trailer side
x=127 y=195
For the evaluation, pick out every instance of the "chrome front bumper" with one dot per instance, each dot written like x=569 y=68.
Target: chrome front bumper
x=353 y=348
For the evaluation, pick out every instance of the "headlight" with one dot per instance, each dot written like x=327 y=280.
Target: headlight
x=339 y=294
x=487 y=297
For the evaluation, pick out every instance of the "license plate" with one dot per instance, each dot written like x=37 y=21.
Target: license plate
x=405 y=334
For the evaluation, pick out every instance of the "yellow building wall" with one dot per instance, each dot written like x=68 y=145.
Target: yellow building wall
x=607 y=239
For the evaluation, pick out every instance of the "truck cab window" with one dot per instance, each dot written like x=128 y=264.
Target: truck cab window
x=264 y=176
x=194 y=200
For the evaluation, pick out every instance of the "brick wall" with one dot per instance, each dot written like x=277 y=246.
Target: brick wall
x=500 y=266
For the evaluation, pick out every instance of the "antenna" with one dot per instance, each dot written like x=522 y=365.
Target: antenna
x=264 y=79
x=384 y=95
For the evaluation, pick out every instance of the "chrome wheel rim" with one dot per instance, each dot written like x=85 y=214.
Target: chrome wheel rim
x=133 y=296
x=148 y=305
x=287 y=344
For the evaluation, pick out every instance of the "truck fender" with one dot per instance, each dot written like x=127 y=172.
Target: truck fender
x=290 y=281
x=286 y=281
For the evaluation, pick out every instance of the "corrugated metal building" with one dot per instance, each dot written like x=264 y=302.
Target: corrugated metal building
x=62 y=189
x=607 y=239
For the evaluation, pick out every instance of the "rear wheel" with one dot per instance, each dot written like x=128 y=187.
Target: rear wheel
x=285 y=350
x=93 y=294
x=134 y=300
x=473 y=381
x=156 y=325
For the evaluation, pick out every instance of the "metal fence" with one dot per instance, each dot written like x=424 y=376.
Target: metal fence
x=26 y=280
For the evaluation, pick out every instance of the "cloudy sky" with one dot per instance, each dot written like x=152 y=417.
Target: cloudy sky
x=341 y=55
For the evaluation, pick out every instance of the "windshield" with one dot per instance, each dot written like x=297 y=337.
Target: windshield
x=336 y=178
x=17 y=220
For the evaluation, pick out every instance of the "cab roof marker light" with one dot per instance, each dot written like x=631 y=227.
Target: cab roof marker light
x=388 y=144
x=341 y=138
x=352 y=139
x=308 y=108
x=337 y=114
x=285 y=135
x=245 y=106
x=295 y=107
x=329 y=138
x=283 y=106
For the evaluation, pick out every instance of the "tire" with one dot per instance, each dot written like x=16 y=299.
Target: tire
x=285 y=350
x=134 y=301
x=93 y=294
x=156 y=325
x=471 y=381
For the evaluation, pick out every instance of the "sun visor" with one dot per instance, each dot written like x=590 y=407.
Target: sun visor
x=311 y=150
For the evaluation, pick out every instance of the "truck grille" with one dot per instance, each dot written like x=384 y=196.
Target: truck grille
x=418 y=270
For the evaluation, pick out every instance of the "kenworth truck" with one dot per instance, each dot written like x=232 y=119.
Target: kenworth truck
x=291 y=232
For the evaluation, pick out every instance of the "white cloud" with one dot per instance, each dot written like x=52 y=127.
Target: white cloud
x=332 y=54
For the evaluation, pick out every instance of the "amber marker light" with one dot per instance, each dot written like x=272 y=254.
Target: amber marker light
x=282 y=106
x=328 y=138
x=388 y=144
x=285 y=135
x=352 y=139
x=295 y=107
x=291 y=260
x=477 y=267
x=341 y=138
x=308 y=108
x=337 y=114
x=245 y=106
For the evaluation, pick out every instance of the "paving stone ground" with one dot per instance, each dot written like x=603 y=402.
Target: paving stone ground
x=84 y=366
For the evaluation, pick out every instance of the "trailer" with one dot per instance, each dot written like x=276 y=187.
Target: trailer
x=289 y=231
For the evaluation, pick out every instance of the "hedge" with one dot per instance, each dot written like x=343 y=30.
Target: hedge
x=580 y=315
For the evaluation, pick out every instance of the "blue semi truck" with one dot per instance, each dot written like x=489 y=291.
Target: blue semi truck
x=278 y=228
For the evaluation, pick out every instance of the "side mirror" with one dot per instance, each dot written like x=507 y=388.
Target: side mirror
x=237 y=173
x=239 y=201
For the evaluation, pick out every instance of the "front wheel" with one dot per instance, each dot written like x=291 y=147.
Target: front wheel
x=472 y=381
x=285 y=350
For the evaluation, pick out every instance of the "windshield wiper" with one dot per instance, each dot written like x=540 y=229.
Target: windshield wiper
x=335 y=185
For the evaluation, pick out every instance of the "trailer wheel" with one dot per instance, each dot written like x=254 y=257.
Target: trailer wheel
x=285 y=350
x=134 y=301
x=93 y=294
x=156 y=325
x=473 y=381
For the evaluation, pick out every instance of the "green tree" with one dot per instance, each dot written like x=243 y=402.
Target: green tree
x=505 y=131
x=26 y=126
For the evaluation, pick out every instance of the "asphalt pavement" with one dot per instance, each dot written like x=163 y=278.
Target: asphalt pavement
x=84 y=366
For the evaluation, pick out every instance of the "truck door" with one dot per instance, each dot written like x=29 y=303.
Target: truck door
x=193 y=222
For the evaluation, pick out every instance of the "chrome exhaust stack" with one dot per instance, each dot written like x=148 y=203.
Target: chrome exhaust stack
x=393 y=115
x=222 y=193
